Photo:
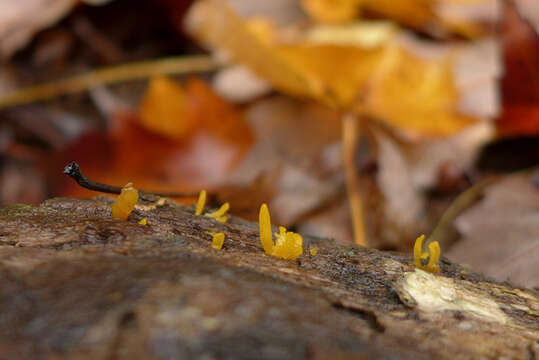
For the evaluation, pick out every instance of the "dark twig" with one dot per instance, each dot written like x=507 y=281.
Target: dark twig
x=73 y=170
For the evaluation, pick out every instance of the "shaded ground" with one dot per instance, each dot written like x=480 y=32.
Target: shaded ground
x=75 y=283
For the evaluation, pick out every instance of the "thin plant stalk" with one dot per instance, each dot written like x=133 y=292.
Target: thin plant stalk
x=106 y=76
x=350 y=138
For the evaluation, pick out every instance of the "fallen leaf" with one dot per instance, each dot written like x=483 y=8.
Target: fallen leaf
x=520 y=84
x=414 y=95
x=332 y=223
x=332 y=11
x=462 y=149
x=403 y=203
x=505 y=243
x=529 y=9
x=164 y=109
x=436 y=17
x=373 y=75
x=288 y=165
x=20 y=20
x=218 y=27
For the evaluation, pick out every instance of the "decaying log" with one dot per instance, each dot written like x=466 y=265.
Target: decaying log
x=77 y=284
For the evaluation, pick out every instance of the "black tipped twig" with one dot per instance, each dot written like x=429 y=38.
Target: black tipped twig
x=73 y=170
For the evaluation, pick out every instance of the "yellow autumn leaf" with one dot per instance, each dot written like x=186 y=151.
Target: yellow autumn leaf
x=218 y=27
x=361 y=69
x=420 y=14
x=332 y=11
x=415 y=13
x=410 y=12
x=414 y=95
x=307 y=68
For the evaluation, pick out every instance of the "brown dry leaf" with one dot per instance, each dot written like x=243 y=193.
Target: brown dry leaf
x=20 y=20
x=403 y=203
x=500 y=233
x=414 y=95
x=302 y=177
x=332 y=223
x=426 y=158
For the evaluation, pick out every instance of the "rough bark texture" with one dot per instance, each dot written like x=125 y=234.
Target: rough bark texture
x=76 y=284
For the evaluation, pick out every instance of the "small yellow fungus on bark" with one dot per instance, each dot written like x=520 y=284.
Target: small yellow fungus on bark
x=201 y=202
x=288 y=245
x=143 y=221
x=313 y=251
x=220 y=214
x=433 y=255
x=264 y=225
x=125 y=203
x=218 y=240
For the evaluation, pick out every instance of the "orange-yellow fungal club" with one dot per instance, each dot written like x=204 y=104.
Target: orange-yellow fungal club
x=433 y=255
x=218 y=240
x=125 y=203
x=220 y=214
x=288 y=245
x=201 y=202
x=264 y=224
x=143 y=221
x=313 y=251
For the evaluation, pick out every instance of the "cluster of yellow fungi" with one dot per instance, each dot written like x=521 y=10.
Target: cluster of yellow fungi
x=433 y=255
x=218 y=238
x=288 y=245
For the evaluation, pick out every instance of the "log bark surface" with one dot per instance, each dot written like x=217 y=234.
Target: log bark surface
x=77 y=284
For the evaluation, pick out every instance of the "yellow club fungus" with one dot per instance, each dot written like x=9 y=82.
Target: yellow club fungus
x=125 y=203
x=143 y=221
x=220 y=214
x=218 y=240
x=313 y=251
x=288 y=245
x=201 y=202
x=433 y=255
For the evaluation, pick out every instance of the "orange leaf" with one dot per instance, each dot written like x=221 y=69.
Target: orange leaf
x=163 y=109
